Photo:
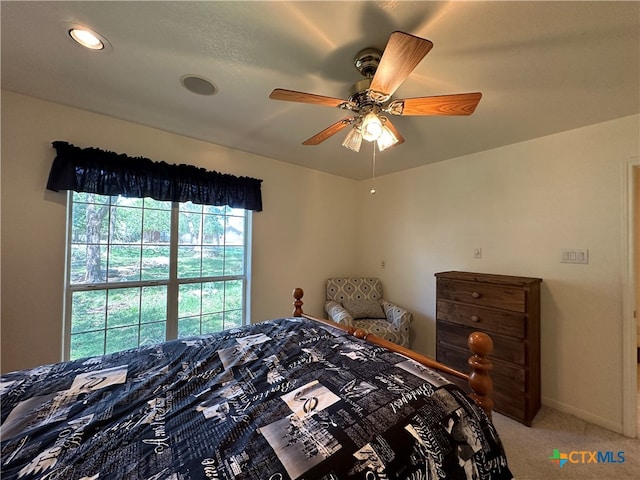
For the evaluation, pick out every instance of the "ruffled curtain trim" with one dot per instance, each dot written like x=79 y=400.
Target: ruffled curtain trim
x=92 y=170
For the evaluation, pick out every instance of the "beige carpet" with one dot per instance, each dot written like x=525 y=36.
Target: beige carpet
x=528 y=449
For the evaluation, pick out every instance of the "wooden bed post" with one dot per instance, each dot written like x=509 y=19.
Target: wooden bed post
x=480 y=381
x=297 y=304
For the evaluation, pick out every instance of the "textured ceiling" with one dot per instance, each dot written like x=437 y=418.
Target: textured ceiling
x=543 y=67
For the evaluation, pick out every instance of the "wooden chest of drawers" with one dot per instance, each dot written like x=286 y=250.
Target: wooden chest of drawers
x=508 y=309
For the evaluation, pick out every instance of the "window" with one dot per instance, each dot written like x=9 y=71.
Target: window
x=141 y=271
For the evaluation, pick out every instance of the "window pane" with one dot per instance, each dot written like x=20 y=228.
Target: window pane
x=213 y=230
x=213 y=261
x=189 y=262
x=153 y=304
x=79 y=223
x=157 y=227
x=233 y=295
x=88 y=311
x=78 y=263
x=124 y=263
x=87 y=268
x=212 y=297
x=89 y=237
x=213 y=322
x=125 y=225
x=123 y=307
x=232 y=318
x=234 y=261
x=155 y=263
x=87 y=344
x=88 y=263
x=211 y=305
x=189 y=300
x=234 y=232
x=188 y=327
x=90 y=223
x=121 y=338
x=152 y=333
x=189 y=228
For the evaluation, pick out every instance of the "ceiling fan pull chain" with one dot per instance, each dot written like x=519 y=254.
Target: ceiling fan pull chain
x=373 y=170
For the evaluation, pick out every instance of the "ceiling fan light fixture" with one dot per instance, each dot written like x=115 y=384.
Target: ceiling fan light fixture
x=371 y=127
x=386 y=139
x=353 y=140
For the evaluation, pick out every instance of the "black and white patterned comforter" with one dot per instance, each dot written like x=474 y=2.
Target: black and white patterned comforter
x=287 y=398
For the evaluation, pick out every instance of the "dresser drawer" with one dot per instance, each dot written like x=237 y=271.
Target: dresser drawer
x=504 y=348
x=496 y=296
x=513 y=404
x=504 y=375
x=505 y=323
x=509 y=395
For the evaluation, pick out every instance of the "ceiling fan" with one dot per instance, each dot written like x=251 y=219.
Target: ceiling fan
x=370 y=99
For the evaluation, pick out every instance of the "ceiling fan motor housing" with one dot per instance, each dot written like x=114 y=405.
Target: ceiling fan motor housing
x=367 y=60
x=358 y=93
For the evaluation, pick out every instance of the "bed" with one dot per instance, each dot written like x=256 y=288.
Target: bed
x=296 y=397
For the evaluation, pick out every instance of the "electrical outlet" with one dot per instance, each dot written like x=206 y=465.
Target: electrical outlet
x=477 y=252
x=382 y=264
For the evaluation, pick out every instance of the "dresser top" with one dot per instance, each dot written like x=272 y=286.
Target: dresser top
x=488 y=278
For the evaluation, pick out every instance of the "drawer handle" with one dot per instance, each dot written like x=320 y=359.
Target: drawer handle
x=476 y=295
x=475 y=318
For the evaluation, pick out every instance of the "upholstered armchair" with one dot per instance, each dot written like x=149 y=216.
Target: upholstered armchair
x=358 y=302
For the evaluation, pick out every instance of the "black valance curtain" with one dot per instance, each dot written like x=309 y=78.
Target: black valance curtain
x=93 y=170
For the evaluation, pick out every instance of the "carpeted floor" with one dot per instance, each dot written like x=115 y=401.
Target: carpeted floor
x=528 y=449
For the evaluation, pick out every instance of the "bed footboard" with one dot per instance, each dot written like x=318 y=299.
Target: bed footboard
x=479 y=343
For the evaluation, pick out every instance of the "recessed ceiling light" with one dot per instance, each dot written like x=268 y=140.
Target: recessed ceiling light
x=87 y=38
x=198 y=84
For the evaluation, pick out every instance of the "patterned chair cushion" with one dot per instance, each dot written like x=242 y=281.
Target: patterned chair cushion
x=364 y=308
x=382 y=329
x=338 y=313
x=400 y=318
x=357 y=288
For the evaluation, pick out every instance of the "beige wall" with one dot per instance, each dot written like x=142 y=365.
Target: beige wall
x=292 y=245
x=521 y=204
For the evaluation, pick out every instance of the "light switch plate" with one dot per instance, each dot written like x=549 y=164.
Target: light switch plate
x=574 y=255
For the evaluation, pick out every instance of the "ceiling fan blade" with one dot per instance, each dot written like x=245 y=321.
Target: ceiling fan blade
x=401 y=55
x=302 y=97
x=395 y=132
x=457 y=104
x=328 y=132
